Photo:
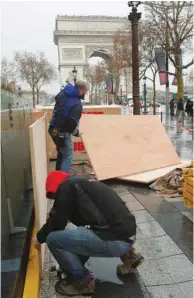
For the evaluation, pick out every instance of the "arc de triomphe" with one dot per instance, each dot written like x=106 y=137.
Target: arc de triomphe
x=80 y=37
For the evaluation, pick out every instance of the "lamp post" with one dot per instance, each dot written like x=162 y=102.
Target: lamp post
x=74 y=71
x=134 y=17
x=144 y=95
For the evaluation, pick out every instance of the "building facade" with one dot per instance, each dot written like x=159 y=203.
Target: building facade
x=79 y=38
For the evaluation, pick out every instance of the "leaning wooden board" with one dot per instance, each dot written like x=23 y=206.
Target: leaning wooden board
x=150 y=176
x=80 y=153
x=126 y=145
x=39 y=174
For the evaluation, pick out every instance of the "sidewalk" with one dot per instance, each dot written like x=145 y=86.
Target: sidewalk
x=164 y=237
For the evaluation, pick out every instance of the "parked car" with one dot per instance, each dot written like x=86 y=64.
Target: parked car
x=158 y=105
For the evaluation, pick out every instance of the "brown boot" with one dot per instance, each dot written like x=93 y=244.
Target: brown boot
x=85 y=288
x=131 y=261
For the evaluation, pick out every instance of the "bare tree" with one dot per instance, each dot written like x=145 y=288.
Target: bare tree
x=172 y=23
x=33 y=69
x=148 y=61
x=95 y=76
x=8 y=72
x=122 y=51
x=47 y=78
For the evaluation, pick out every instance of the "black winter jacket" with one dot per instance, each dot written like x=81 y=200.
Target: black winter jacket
x=93 y=204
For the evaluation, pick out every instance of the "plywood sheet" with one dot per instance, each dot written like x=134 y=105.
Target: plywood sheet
x=120 y=145
x=39 y=173
x=79 y=152
x=150 y=176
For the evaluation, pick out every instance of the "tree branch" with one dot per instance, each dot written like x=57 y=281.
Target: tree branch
x=189 y=64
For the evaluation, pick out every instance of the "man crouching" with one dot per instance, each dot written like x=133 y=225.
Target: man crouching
x=105 y=228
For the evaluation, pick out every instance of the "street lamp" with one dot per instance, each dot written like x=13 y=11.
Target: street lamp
x=144 y=94
x=74 y=71
x=134 y=17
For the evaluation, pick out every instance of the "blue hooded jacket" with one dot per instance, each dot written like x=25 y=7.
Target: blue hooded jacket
x=68 y=109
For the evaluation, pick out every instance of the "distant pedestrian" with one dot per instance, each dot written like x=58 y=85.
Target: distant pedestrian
x=180 y=110
x=65 y=120
x=172 y=107
x=189 y=108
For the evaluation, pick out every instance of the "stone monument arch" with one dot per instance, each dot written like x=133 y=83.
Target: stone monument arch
x=80 y=37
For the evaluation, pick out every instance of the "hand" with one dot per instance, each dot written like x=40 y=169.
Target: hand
x=36 y=243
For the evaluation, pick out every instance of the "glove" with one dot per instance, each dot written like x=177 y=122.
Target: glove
x=76 y=132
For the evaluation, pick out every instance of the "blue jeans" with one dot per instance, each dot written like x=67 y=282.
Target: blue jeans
x=65 y=154
x=65 y=150
x=72 y=248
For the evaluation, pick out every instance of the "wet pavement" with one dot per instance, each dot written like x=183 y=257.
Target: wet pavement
x=181 y=135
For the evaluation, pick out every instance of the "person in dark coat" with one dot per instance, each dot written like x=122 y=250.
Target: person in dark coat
x=180 y=110
x=189 y=108
x=172 y=107
x=65 y=120
x=105 y=228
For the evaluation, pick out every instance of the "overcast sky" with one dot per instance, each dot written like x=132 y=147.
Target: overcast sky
x=30 y=25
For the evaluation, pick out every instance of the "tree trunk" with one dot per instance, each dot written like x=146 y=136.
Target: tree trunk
x=180 y=87
x=126 y=82
x=179 y=73
x=154 y=94
x=37 y=96
x=33 y=96
x=115 y=98
x=91 y=96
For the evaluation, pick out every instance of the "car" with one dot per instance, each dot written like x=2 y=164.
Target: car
x=158 y=105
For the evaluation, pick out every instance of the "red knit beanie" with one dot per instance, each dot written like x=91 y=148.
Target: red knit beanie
x=54 y=179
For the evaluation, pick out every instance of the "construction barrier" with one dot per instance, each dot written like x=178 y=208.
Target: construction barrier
x=188 y=186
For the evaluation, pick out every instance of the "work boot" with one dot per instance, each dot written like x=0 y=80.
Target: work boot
x=85 y=287
x=131 y=261
x=63 y=282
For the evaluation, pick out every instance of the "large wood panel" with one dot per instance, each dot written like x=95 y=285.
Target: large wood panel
x=150 y=176
x=79 y=152
x=39 y=174
x=126 y=145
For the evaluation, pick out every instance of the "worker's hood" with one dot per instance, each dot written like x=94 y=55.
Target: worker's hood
x=70 y=91
x=54 y=179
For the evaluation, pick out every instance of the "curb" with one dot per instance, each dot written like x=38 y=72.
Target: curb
x=32 y=281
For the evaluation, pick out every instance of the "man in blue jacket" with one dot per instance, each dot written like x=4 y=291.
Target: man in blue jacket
x=65 y=120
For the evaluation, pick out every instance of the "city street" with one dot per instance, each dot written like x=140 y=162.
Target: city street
x=75 y=95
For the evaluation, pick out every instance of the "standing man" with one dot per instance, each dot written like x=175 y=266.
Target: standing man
x=172 y=107
x=189 y=108
x=65 y=120
x=105 y=228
